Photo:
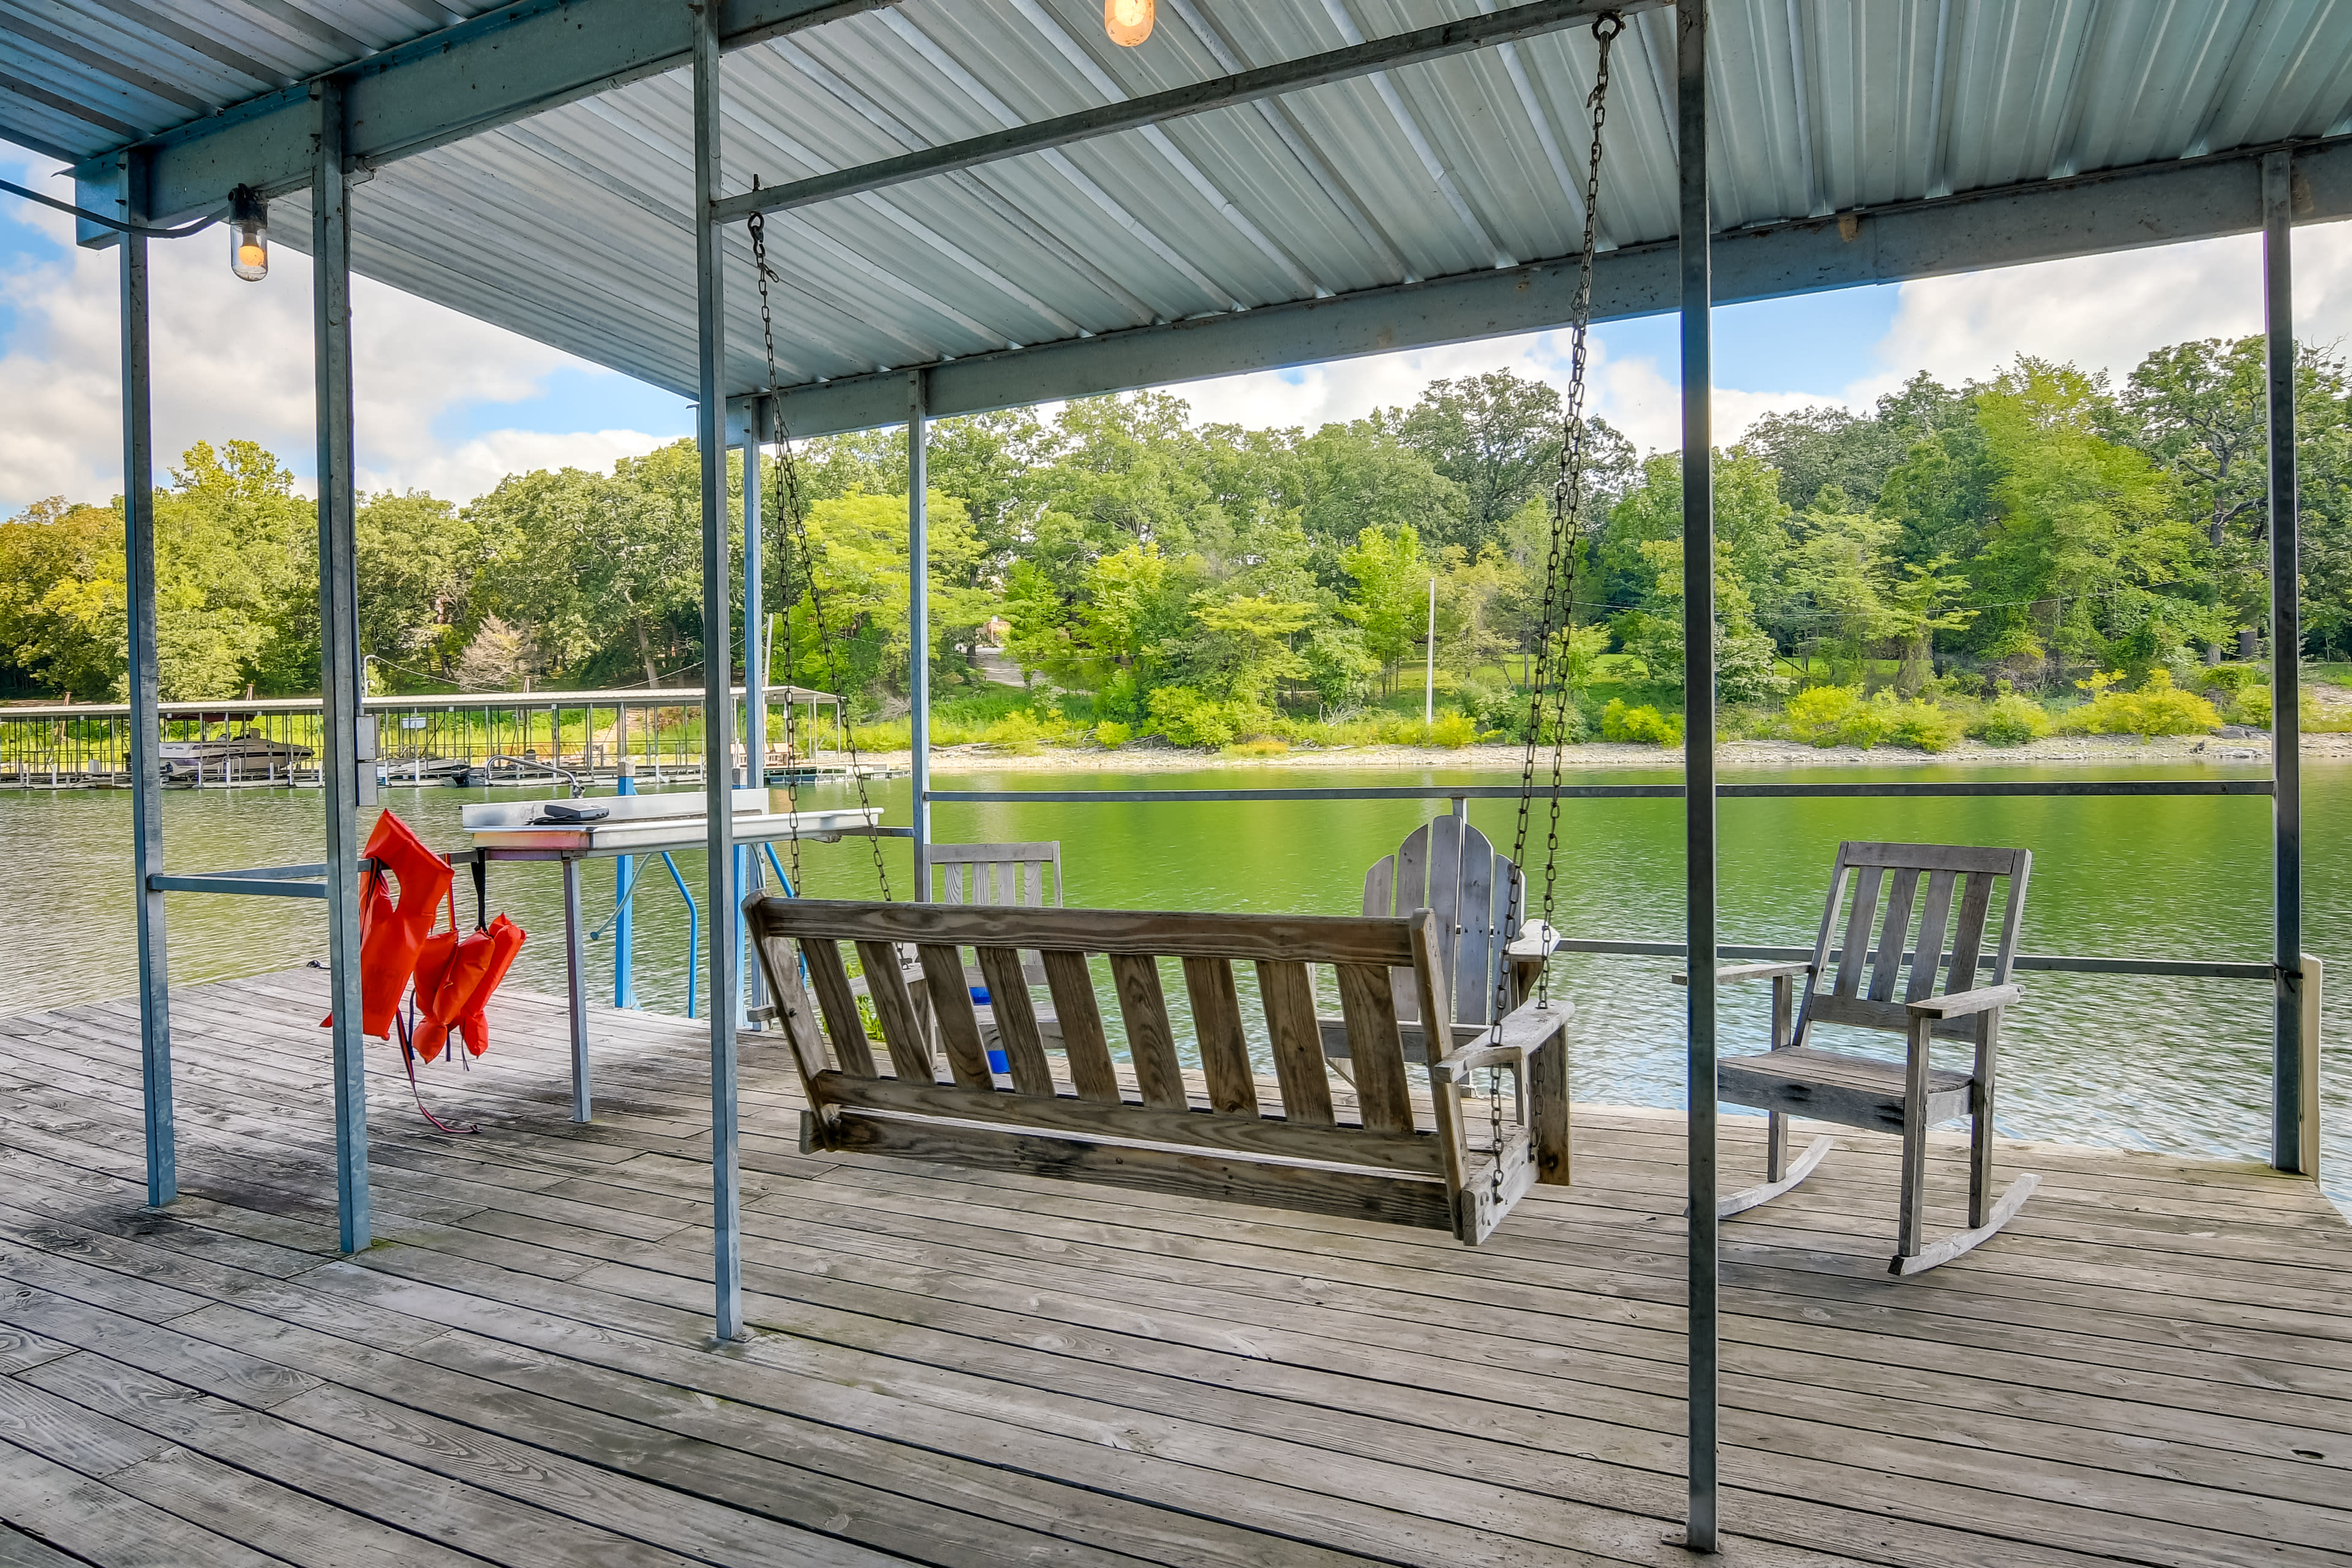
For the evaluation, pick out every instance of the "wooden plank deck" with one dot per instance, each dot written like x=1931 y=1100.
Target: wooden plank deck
x=2152 y=1365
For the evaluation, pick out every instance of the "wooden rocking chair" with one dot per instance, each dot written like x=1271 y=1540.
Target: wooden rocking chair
x=1911 y=1095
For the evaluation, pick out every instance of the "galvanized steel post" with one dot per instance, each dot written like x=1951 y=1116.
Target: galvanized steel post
x=2288 y=1044
x=338 y=661
x=748 y=875
x=919 y=622
x=146 y=722
x=717 y=689
x=1698 y=752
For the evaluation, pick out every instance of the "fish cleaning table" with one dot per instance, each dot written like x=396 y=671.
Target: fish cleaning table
x=633 y=825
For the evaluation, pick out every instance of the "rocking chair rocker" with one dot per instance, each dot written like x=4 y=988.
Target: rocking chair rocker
x=1908 y=1096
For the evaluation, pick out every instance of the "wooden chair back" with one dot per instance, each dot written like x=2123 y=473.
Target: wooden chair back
x=1225 y=1141
x=997 y=873
x=1450 y=867
x=1931 y=905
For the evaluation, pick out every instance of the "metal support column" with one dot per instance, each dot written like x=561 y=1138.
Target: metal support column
x=1698 y=752
x=2287 y=653
x=748 y=875
x=146 y=722
x=338 y=664
x=575 y=990
x=919 y=622
x=717 y=689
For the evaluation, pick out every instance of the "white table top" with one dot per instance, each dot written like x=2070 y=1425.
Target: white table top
x=648 y=824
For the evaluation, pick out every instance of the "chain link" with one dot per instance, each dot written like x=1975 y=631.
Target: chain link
x=1551 y=688
x=797 y=541
x=1550 y=696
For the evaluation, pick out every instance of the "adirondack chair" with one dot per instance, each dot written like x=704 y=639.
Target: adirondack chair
x=1911 y=1095
x=1478 y=896
x=1081 y=1121
x=997 y=873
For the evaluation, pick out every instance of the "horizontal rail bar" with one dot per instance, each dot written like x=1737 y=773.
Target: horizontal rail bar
x=1934 y=789
x=250 y=883
x=1458 y=37
x=2064 y=963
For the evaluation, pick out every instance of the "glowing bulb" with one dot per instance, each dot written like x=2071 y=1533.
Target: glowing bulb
x=1128 y=22
x=248 y=237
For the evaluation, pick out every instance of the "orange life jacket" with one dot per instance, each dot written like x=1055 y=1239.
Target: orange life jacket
x=455 y=977
x=391 y=931
x=505 y=941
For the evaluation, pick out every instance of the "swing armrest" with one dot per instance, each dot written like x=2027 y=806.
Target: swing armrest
x=1526 y=1031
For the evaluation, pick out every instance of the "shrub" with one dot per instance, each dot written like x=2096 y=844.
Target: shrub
x=1645 y=724
x=2253 y=707
x=1920 y=725
x=1188 y=719
x=1263 y=746
x=1110 y=734
x=1017 y=732
x=1451 y=731
x=1816 y=714
x=2010 y=719
x=2157 y=707
x=2232 y=678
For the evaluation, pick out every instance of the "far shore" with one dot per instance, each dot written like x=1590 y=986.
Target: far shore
x=2085 y=751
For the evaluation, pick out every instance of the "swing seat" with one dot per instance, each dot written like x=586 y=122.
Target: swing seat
x=1388 y=1155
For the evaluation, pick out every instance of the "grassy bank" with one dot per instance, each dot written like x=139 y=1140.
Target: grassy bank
x=1618 y=711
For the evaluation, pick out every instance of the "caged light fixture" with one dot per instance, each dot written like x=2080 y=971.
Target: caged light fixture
x=248 y=235
x=1128 y=22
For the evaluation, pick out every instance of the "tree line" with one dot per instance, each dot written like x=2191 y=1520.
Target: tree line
x=1209 y=582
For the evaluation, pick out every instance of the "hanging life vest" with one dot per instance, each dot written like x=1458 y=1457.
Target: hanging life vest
x=505 y=941
x=391 y=930
x=456 y=975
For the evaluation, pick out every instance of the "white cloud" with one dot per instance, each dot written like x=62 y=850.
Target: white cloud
x=2102 y=313
x=2106 y=312
x=233 y=360
x=480 y=463
x=1631 y=394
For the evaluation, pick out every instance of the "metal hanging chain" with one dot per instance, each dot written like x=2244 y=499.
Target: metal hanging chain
x=1550 y=695
x=797 y=536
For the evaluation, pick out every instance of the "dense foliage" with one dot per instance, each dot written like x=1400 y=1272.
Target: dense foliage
x=1899 y=575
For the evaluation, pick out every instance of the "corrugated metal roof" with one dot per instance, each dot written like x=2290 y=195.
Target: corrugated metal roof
x=78 y=77
x=573 y=226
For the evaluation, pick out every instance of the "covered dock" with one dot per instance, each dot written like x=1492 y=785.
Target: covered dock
x=961 y=207
x=960 y=1367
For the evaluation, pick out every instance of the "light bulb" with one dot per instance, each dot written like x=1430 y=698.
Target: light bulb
x=1128 y=22
x=248 y=237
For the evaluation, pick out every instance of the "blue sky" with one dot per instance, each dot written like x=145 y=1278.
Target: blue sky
x=450 y=404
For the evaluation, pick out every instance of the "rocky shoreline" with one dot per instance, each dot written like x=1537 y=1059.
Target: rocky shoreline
x=2085 y=751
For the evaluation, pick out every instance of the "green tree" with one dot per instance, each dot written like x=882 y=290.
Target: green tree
x=1496 y=435
x=2087 y=527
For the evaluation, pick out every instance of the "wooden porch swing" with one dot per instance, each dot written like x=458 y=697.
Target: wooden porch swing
x=1404 y=975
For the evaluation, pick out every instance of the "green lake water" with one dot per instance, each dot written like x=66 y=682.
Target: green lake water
x=2172 y=1064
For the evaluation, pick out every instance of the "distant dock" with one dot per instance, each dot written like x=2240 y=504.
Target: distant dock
x=481 y=740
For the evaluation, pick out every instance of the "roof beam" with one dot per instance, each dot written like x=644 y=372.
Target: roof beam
x=475 y=76
x=1367 y=58
x=2165 y=204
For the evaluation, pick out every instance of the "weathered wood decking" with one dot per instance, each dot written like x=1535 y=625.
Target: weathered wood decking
x=2153 y=1365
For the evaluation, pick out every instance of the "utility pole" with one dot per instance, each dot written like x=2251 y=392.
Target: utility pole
x=1428 y=680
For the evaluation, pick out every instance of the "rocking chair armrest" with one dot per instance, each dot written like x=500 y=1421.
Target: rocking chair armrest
x=1961 y=1004
x=1755 y=972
